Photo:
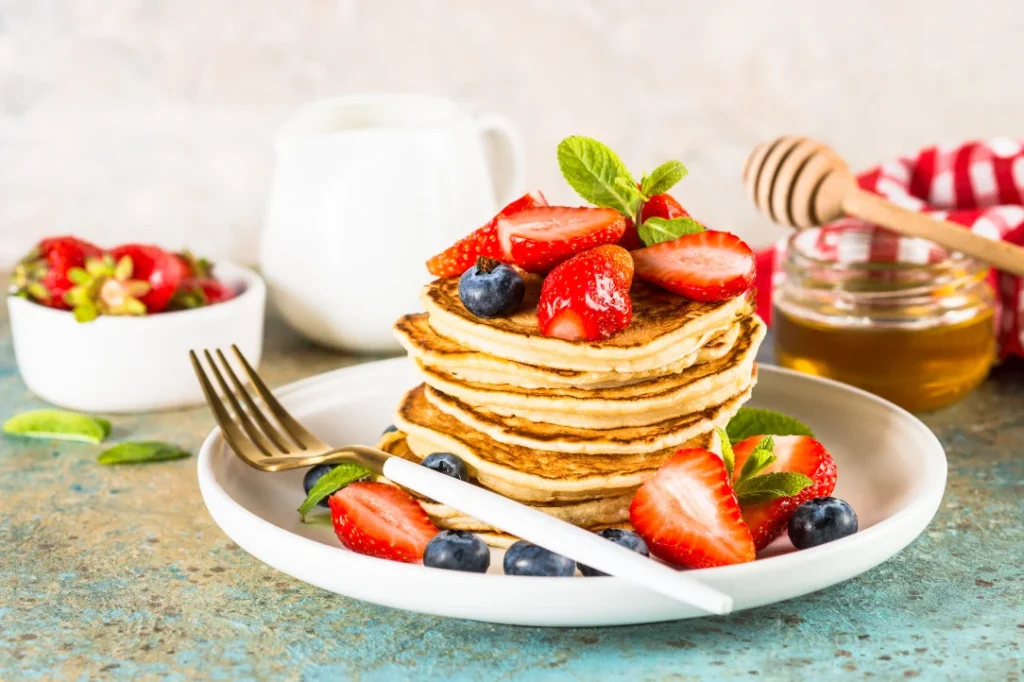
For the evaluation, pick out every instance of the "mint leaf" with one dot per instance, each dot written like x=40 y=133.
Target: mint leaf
x=331 y=482
x=728 y=456
x=58 y=424
x=770 y=487
x=141 y=452
x=760 y=459
x=663 y=178
x=756 y=421
x=630 y=187
x=591 y=168
x=658 y=230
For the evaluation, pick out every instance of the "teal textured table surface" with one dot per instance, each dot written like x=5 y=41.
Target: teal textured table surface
x=119 y=573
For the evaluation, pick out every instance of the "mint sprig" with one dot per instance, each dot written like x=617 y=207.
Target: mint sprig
x=756 y=421
x=768 y=487
x=140 y=452
x=759 y=460
x=592 y=168
x=658 y=230
x=331 y=482
x=728 y=456
x=58 y=425
x=663 y=178
x=753 y=487
x=599 y=176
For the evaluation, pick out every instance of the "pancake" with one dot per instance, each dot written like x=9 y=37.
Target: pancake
x=465 y=364
x=592 y=513
x=503 y=540
x=611 y=441
x=534 y=475
x=647 y=402
x=664 y=329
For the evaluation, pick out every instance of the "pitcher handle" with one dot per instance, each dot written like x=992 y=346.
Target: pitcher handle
x=509 y=167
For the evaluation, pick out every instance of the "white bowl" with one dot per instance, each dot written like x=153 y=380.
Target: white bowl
x=133 y=364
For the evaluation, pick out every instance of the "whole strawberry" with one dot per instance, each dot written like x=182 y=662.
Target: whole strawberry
x=193 y=266
x=198 y=287
x=162 y=270
x=198 y=292
x=586 y=298
x=42 y=275
x=659 y=206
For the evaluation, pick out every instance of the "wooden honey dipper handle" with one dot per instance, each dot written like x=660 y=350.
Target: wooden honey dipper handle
x=803 y=183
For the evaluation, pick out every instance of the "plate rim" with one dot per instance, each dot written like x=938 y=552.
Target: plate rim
x=932 y=484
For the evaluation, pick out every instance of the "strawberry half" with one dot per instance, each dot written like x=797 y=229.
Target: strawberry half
x=483 y=241
x=706 y=266
x=381 y=520
x=586 y=298
x=688 y=515
x=658 y=206
x=798 y=455
x=540 y=238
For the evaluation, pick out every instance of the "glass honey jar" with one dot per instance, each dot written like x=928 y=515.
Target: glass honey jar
x=900 y=317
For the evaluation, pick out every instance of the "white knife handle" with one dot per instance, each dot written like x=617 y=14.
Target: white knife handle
x=557 y=535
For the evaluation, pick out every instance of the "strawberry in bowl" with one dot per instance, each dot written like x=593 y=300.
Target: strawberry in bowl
x=109 y=330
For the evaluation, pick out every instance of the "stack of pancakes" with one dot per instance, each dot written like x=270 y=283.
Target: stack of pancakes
x=570 y=427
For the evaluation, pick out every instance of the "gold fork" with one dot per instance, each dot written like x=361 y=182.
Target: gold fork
x=252 y=435
x=255 y=439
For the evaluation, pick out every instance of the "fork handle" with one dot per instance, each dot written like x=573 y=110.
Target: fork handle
x=557 y=535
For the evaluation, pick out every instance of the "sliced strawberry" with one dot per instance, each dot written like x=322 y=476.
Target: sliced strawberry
x=483 y=241
x=161 y=269
x=659 y=206
x=688 y=515
x=706 y=266
x=798 y=455
x=540 y=238
x=381 y=520
x=586 y=298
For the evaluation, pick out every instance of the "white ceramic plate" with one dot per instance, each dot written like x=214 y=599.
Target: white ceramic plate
x=892 y=470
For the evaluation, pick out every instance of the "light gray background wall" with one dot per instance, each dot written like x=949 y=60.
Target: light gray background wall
x=150 y=120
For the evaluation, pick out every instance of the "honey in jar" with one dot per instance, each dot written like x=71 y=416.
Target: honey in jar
x=899 y=317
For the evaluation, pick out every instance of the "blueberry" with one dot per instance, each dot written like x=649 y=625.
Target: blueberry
x=523 y=558
x=821 y=520
x=314 y=475
x=457 y=550
x=491 y=289
x=619 y=536
x=447 y=464
x=391 y=429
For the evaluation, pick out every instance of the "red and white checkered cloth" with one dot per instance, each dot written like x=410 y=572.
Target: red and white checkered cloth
x=979 y=185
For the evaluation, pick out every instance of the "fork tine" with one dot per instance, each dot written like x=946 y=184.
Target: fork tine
x=298 y=432
x=232 y=434
x=255 y=436
x=267 y=428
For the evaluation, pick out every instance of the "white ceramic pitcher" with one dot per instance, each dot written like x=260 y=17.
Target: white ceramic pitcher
x=365 y=189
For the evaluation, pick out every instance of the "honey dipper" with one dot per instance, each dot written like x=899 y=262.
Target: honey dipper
x=802 y=183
